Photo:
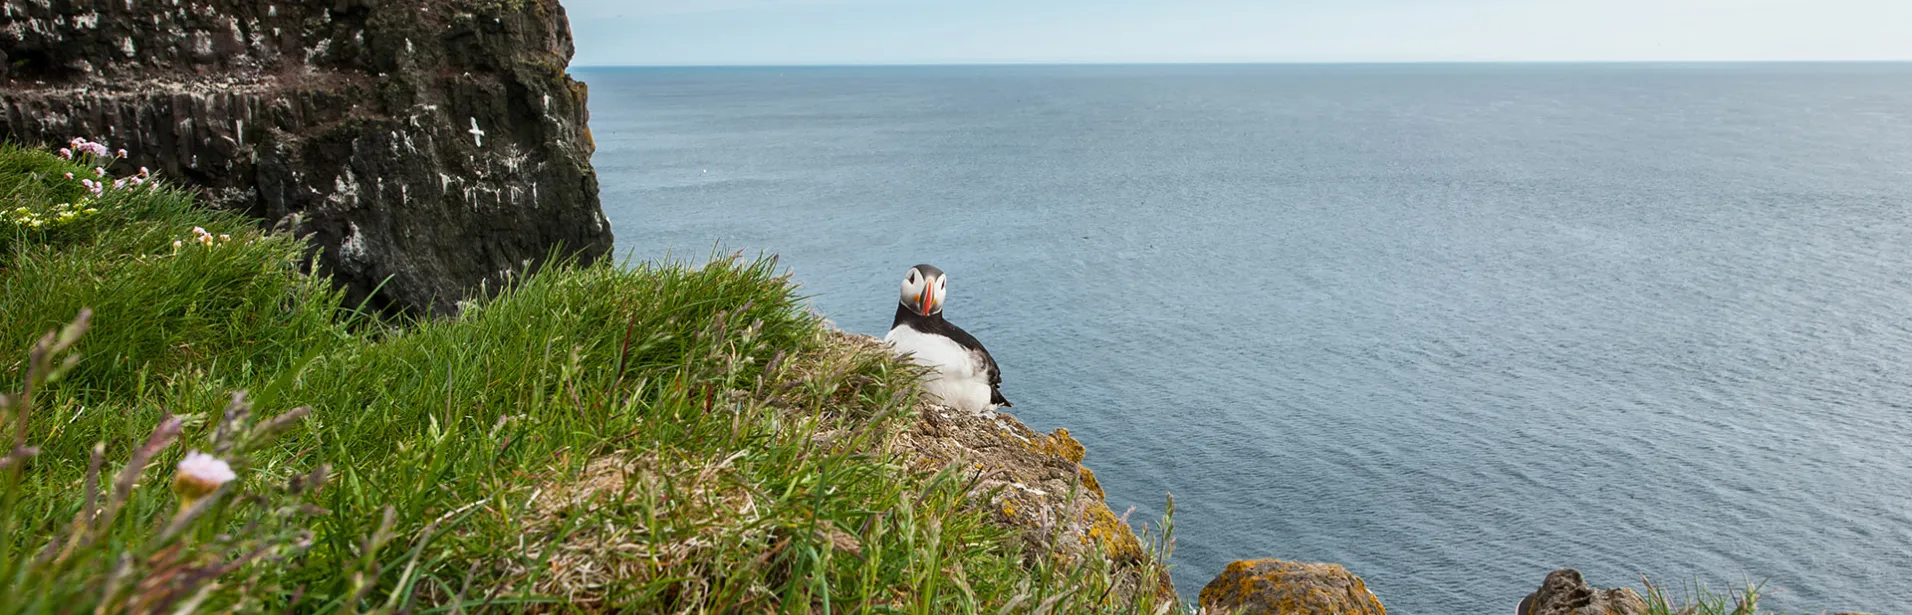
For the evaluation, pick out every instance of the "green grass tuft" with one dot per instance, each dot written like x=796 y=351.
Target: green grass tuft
x=1698 y=600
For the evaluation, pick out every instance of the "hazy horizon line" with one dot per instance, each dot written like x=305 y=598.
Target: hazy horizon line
x=1232 y=63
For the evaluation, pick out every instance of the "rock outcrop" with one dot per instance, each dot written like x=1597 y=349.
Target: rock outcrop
x=1276 y=587
x=429 y=148
x=1564 y=592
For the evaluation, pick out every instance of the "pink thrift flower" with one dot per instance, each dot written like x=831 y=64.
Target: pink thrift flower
x=99 y=172
x=69 y=176
x=199 y=475
x=119 y=183
x=66 y=153
x=122 y=153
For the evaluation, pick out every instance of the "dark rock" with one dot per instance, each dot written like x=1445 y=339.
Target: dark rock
x=437 y=143
x=1276 y=587
x=1565 y=593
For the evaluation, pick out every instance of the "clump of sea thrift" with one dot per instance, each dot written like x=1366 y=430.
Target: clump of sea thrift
x=82 y=146
x=203 y=237
x=96 y=186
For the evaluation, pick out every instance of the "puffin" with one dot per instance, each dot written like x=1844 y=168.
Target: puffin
x=965 y=376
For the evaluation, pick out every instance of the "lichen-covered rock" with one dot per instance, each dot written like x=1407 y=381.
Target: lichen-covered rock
x=1276 y=587
x=1035 y=484
x=1564 y=592
x=430 y=148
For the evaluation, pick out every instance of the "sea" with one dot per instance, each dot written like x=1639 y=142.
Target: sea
x=1451 y=326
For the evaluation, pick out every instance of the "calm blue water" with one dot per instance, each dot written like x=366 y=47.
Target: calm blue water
x=1450 y=326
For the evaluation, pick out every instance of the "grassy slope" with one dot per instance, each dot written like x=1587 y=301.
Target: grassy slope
x=656 y=439
x=737 y=459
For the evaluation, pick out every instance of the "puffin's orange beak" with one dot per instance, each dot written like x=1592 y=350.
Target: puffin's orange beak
x=924 y=300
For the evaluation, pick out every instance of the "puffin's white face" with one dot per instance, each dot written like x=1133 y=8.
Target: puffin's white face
x=923 y=290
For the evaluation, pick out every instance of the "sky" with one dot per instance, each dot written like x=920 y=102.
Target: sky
x=800 y=32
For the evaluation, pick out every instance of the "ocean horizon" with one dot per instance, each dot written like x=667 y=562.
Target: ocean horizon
x=1328 y=64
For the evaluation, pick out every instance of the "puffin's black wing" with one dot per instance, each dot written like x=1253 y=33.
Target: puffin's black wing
x=995 y=382
x=938 y=325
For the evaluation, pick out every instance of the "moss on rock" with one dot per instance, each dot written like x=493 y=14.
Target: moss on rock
x=1276 y=587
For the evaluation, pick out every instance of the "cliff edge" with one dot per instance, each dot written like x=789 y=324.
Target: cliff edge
x=427 y=148
x=1035 y=485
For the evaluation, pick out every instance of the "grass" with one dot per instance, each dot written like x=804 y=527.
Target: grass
x=1698 y=600
x=653 y=438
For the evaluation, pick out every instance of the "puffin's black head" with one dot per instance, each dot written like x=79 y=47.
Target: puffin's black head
x=923 y=290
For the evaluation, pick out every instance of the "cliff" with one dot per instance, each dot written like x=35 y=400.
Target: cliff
x=427 y=148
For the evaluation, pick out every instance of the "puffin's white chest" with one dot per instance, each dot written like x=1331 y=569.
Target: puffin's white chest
x=960 y=380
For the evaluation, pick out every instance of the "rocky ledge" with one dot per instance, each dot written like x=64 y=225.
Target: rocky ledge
x=429 y=148
x=1035 y=484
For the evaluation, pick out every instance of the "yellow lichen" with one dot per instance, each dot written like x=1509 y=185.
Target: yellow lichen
x=1290 y=587
x=1113 y=536
x=1089 y=482
x=1061 y=445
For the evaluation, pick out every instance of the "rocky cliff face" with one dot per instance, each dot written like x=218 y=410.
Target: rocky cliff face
x=429 y=148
